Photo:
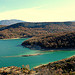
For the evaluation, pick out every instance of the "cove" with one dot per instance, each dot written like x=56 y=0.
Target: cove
x=12 y=47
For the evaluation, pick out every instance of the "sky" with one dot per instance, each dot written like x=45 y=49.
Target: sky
x=38 y=10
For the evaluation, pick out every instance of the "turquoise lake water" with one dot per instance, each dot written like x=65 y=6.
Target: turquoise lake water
x=12 y=47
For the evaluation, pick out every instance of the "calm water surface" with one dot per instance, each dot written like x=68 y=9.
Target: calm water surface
x=12 y=47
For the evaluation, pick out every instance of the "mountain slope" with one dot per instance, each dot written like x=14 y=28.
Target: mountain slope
x=41 y=24
x=9 y=22
x=30 y=29
x=52 y=41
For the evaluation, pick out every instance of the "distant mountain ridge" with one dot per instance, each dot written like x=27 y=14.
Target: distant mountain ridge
x=10 y=22
x=72 y=21
x=45 y=25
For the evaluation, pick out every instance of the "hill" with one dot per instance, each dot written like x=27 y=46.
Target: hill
x=52 y=41
x=61 y=67
x=30 y=29
x=46 y=25
x=9 y=22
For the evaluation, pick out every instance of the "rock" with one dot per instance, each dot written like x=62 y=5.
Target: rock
x=13 y=70
x=1 y=70
x=25 y=71
x=32 y=72
x=17 y=72
x=8 y=70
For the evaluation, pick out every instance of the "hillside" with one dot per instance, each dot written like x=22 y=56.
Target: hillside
x=9 y=22
x=61 y=67
x=52 y=41
x=30 y=29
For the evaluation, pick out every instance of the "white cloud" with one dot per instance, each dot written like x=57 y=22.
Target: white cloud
x=36 y=14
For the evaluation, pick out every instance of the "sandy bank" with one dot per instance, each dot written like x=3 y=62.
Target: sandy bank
x=24 y=55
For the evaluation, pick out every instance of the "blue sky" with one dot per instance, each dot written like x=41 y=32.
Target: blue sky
x=38 y=10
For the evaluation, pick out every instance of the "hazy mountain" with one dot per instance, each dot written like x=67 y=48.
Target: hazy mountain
x=9 y=22
x=73 y=21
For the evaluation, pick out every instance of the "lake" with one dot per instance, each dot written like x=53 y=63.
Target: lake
x=12 y=47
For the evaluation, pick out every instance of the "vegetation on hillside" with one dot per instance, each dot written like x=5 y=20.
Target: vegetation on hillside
x=62 y=67
x=21 y=32
x=52 y=41
x=13 y=70
x=28 y=29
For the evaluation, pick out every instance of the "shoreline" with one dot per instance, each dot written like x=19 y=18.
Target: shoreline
x=25 y=55
x=49 y=49
x=41 y=64
x=57 y=50
x=51 y=68
x=38 y=66
x=11 y=38
x=53 y=62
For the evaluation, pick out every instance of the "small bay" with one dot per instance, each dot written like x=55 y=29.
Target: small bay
x=12 y=47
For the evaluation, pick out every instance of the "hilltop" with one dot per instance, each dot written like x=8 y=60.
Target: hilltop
x=30 y=29
x=52 y=41
x=46 y=25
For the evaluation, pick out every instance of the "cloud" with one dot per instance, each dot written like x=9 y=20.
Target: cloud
x=37 y=15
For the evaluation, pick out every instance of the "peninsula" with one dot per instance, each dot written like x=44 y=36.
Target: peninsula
x=64 y=40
